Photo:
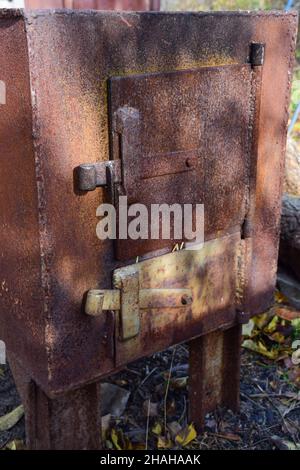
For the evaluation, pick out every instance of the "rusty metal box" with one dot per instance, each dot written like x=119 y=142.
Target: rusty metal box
x=212 y=91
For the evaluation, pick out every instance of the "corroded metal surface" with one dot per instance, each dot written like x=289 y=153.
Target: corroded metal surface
x=170 y=85
x=110 y=299
x=22 y=315
x=205 y=112
x=212 y=291
x=70 y=421
x=189 y=280
x=57 y=78
x=214 y=373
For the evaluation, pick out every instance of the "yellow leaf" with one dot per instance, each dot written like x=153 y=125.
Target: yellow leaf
x=280 y=298
x=119 y=440
x=128 y=445
x=164 y=443
x=115 y=439
x=139 y=446
x=10 y=419
x=261 y=320
x=15 y=445
x=277 y=337
x=157 y=429
x=272 y=325
x=186 y=435
x=179 y=382
x=260 y=348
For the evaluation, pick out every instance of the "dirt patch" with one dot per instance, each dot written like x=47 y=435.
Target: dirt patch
x=270 y=406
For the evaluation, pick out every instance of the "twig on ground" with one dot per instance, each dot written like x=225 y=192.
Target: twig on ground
x=147 y=425
x=147 y=376
x=167 y=389
x=252 y=401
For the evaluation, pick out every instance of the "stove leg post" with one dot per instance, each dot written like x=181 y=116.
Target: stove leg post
x=214 y=377
x=69 y=421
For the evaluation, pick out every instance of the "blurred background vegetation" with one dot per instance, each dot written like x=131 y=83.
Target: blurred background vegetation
x=213 y=5
x=202 y=5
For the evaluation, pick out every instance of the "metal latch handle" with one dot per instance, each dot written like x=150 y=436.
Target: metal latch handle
x=100 y=300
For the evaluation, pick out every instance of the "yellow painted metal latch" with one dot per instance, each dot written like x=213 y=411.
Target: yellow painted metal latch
x=129 y=299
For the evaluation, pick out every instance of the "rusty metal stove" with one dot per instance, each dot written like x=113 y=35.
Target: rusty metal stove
x=163 y=108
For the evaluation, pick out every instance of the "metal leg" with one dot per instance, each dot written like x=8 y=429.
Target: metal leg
x=70 y=421
x=214 y=373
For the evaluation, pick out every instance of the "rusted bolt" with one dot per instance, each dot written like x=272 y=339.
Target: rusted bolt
x=186 y=299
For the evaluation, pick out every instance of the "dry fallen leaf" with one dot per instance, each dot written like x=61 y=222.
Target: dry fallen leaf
x=139 y=446
x=16 y=444
x=280 y=298
x=277 y=337
x=164 y=443
x=157 y=429
x=294 y=375
x=284 y=444
x=262 y=320
x=150 y=409
x=287 y=313
x=186 y=435
x=260 y=348
x=174 y=428
x=228 y=436
x=10 y=419
x=114 y=399
x=272 y=325
x=121 y=382
x=115 y=439
x=119 y=440
x=248 y=328
x=171 y=407
x=178 y=382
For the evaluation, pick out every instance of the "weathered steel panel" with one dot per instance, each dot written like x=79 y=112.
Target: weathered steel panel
x=72 y=55
x=22 y=314
x=206 y=112
x=212 y=291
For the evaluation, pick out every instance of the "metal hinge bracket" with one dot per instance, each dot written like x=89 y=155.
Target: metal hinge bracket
x=127 y=167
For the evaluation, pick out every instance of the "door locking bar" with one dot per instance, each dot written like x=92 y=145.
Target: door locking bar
x=129 y=299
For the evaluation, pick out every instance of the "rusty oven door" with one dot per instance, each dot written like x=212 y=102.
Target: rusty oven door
x=179 y=137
